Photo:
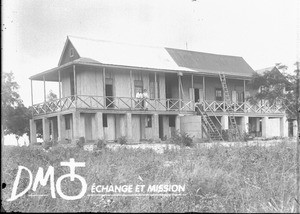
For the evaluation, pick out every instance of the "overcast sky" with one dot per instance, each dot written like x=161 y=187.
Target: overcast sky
x=263 y=32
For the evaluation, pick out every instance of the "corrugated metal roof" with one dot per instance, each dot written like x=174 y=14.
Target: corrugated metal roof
x=262 y=71
x=98 y=52
x=211 y=63
x=160 y=58
x=123 y=54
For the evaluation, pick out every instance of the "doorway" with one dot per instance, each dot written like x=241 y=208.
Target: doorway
x=160 y=127
x=109 y=95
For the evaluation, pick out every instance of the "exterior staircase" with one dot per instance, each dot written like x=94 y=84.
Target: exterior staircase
x=234 y=133
x=208 y=125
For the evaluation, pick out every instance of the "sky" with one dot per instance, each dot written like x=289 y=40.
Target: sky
x=263 y=32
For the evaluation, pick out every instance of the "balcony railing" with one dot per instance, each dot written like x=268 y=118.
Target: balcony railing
x=128 y=103
x=243 y=107
x=112 y=103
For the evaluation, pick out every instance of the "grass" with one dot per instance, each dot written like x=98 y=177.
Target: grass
x=217 y=179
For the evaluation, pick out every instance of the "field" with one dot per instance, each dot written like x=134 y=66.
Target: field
x=216 y=179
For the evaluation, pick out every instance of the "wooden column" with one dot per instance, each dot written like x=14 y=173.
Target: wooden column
x=192 y=80
x=59 y=88
x=244 y=96
x=244 y=91
x=131 y=90
x=179 y=87
x=75 y=85
x=204 y=90
x=44 y=89
x=59 y=85
x=155 y=86
x=31 y=89
x=104 y=93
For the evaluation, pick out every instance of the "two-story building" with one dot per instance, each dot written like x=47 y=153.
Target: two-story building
x=98 y=82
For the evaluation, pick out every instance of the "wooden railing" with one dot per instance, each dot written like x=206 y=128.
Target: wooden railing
x=243 y=107
x=113 y=103
x=128 y=103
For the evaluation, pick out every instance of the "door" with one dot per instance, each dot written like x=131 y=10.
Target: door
x=109 y=95
x=197 y=95
x=136 y=127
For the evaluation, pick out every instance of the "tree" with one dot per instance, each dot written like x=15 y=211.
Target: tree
x=15 y=116
x=51 y=96
x=18 y=120
x=275 y=86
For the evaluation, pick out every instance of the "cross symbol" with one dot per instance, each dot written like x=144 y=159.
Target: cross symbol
x=72 y=164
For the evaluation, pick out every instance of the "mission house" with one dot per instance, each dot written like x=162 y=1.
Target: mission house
x=98 y=82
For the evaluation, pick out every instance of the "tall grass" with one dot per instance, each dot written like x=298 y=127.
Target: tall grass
x=217 y=179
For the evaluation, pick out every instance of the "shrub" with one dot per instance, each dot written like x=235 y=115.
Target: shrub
x=225 y=135
x=246 y=136
x=122 y=140
x=182 y=139
x=47 y=144
x=101 y=144
x=80 y=143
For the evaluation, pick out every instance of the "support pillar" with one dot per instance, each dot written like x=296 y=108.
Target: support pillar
x=99 y=125
x=224 y=122
x=245 y=124
x=257 y=125
x=128 y=126
x=46 y=129
x=284 y=127
x=51 y=129
x=177 y=123
x=76 y=126
x=265 y=123
x=61 y=127
x=155 y=127
x=32 y=125
x=295 y=128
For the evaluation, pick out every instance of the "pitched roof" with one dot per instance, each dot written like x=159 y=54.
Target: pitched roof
x=112 y=53
x=105 y=53
x=263 y=70
x=211 y=63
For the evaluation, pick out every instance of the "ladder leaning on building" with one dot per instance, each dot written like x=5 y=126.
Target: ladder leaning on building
x=234 y=133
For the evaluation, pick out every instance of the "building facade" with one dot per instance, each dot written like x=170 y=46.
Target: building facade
x=98 y=83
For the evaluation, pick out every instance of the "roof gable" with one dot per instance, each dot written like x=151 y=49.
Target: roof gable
x=68 y=54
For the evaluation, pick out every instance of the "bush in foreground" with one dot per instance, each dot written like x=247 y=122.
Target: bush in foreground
x=217 y=179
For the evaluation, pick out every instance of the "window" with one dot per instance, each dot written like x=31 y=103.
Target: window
x=219 y=94
x=240 y=97
x=68 y=122
x=172 y=121
x=148 y=121
x=138 y=86
x=152 y=86
x=104 y=120
x=71 y=52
